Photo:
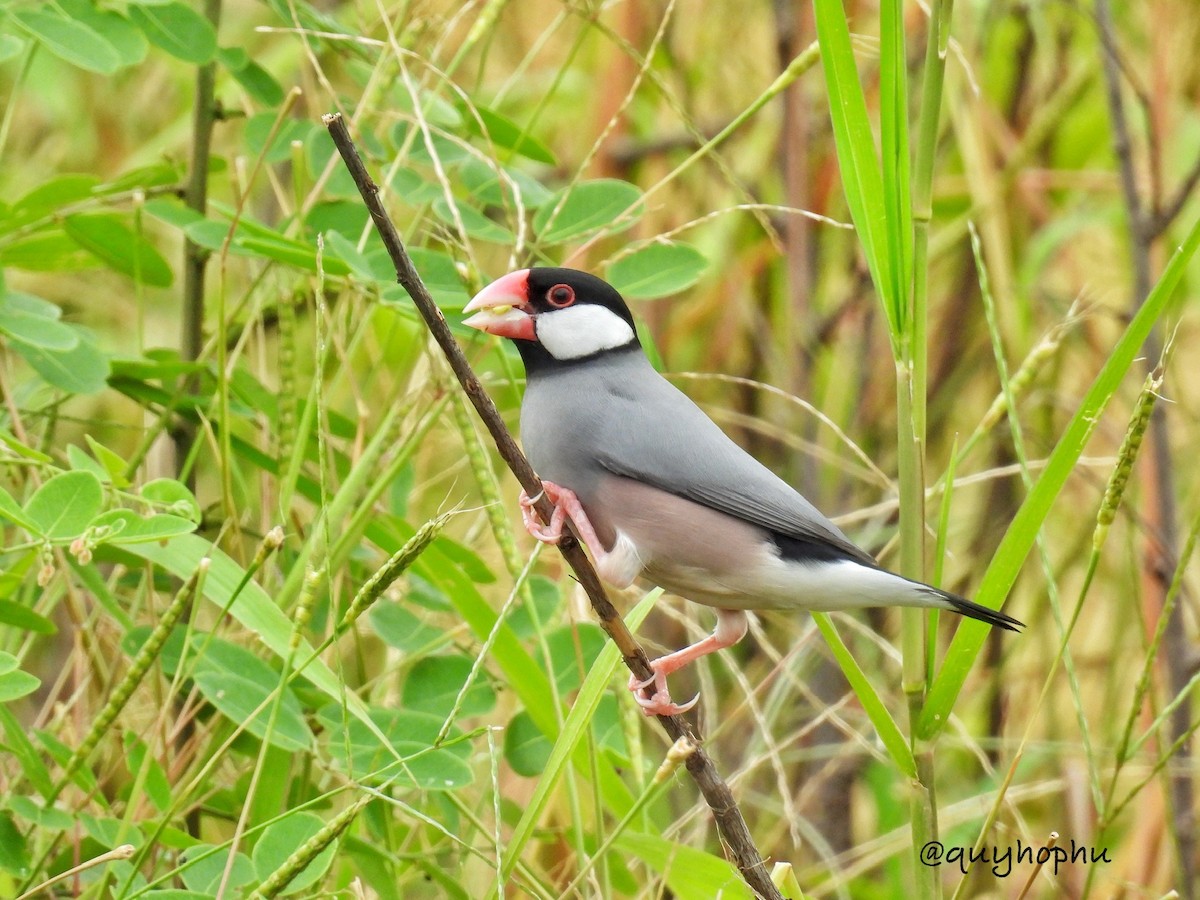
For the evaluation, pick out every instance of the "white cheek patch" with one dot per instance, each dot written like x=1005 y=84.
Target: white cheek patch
x=581 y=331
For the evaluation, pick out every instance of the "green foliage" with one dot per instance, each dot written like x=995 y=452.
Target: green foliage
x=471 y=735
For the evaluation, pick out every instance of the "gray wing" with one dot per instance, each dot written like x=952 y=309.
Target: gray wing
x=655 y=434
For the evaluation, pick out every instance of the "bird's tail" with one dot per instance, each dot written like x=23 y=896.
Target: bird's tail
x=974 y=610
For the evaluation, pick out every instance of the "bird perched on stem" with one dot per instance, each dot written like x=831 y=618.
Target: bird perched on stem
x=654 y=488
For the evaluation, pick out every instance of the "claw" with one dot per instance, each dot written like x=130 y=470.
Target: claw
x=636 y=686
x=659 y=703
x=550 y=533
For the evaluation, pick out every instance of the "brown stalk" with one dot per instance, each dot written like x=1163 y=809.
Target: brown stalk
x=1147 y=221
x=730 y=823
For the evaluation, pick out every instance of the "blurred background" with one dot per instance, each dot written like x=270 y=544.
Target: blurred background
x=203 y=339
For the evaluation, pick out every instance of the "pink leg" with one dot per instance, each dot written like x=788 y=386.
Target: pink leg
x=731 y=627
x=619 y=565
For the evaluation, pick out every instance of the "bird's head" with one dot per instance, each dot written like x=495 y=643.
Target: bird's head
x=554 y=315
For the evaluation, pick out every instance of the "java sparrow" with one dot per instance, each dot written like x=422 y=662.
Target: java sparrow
x=654 y=488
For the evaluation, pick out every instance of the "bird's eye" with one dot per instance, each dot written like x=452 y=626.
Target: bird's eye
x=561 y=295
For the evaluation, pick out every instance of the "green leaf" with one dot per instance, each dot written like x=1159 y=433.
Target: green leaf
x=17 y=615
x=237 y=682
x=18 y=746
x=25 y=318
x=155 y=783
x=256 y=80
x=547 y=597
x=14 y=852
x=399 y=628
x=81 y=370
x=52 y=194
x=128 y=42
x=885 y=726
x=691 y=874
x=434 y=683
x=488 y=187
x=505 y=134
x=11 y=510
x=254 y=609
x=405 y=734
x=476 y=224
x=1023 y=530
x=573 y=651
x=112 y=463
x=587 y=208
x=657 y=270
x=79 y=459
x=14 y=683
x=336 y=245
x=178 y=29
x=440 y=275
x=68 y=40
x=280 y=840
x=119 y=247
x=63 y=507
x=46 y=251
x=127 y=527
x=862 y=179
x=526 y=749
x=48 y=817
x=170 y=654
x=208 y=871
x=258 y=129
x=567 y=746
x=10 y=46
x=172 y=496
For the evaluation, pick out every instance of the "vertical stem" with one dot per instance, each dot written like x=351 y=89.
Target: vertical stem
x=195 y=257
x=183 y=434
x=911 y=390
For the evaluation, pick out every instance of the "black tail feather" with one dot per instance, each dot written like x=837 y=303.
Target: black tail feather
x=973 y=610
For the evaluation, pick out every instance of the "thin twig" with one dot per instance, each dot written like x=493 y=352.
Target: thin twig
x=730 y=823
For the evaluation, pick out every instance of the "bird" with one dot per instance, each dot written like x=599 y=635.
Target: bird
x=655 y=489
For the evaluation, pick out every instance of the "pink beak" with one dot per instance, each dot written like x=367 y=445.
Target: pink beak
x=502 y=308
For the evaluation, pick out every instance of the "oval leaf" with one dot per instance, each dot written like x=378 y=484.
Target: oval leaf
x=280 y=840
x=34 y=325
x=63 y=507
x=237 y=683
x=410 y=737
x=588 y=207
x=127 y=527
x=178 y=29
x=81 y=370
x=69 y=40
x=119 y=247
x=434 y=683
x=657 y=270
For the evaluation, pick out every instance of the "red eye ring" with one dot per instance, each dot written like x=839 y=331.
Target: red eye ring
x=560 y=295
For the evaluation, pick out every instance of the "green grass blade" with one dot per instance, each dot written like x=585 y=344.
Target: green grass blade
x=858 y=161
x=893 y=131
x=253 y=608
x=885 y=725
x=567 y=746
x=1019 y=538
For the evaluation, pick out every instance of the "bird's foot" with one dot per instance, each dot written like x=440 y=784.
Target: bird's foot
x=550 y=533
x=659 y=703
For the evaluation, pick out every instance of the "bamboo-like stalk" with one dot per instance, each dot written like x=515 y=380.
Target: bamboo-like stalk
x=911 y=394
